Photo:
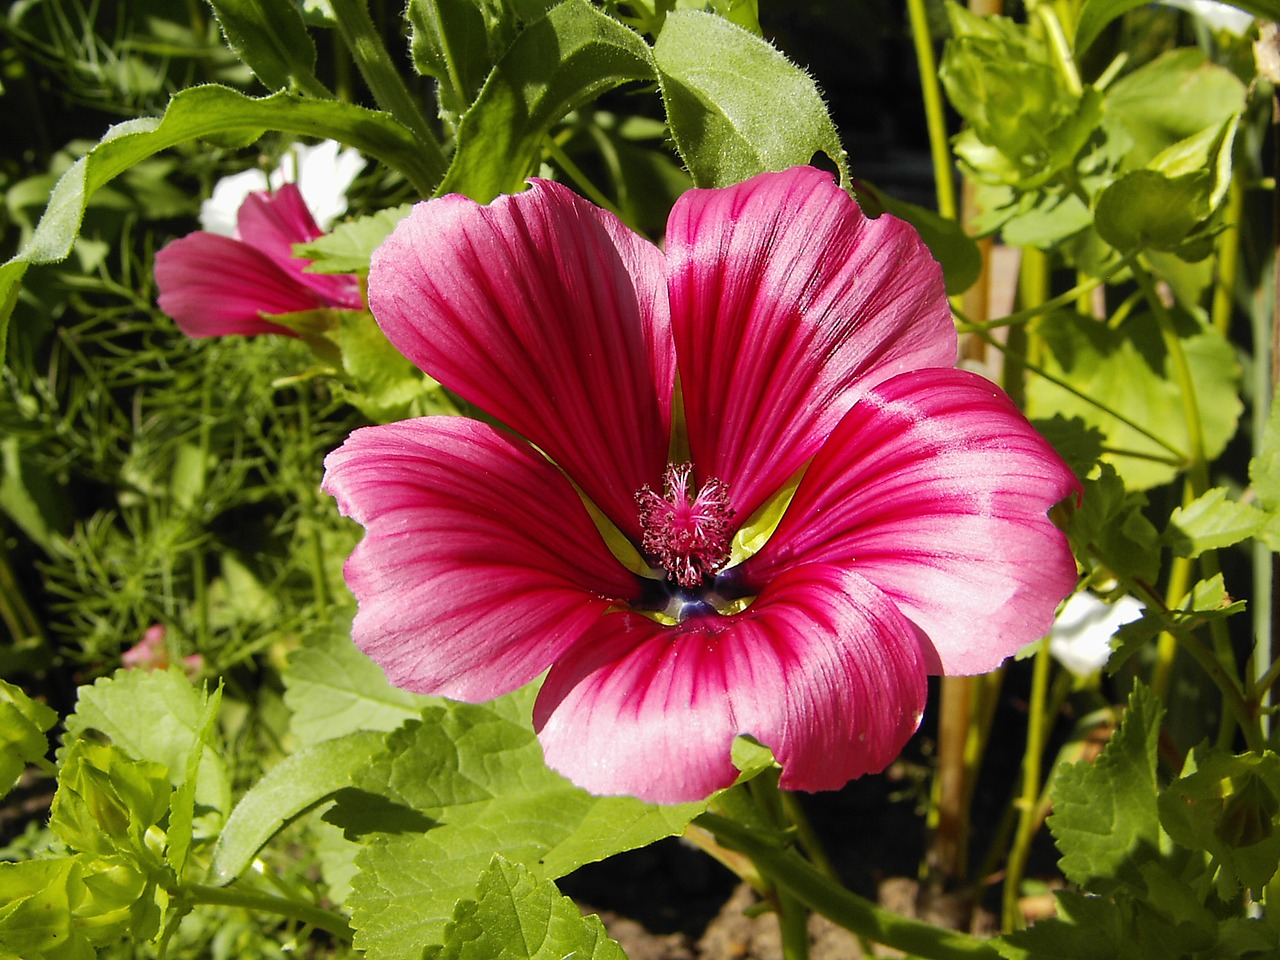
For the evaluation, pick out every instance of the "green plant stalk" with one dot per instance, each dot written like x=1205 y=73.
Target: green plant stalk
x=1062 y=56
x=843 y=907
x=1072 y=296
x=233 y=896
x=793 y=915
x=1263 y=327
x=1228 y=260
x=589 y=189
x=935 y=118
x=1011 y=914
x=379 y=72
x=319 y=580
x=14 y=608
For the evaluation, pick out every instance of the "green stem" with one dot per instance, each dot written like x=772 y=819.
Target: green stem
x=1228 y=258
x=589 y=189
x=233 y=896
x=1028 y=801
x=1063 y=300
x=935 y=117
x=843 y=907
x=379 y=72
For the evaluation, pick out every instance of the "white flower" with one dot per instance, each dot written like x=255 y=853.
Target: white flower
x=1081 y=636
x=322 y=173
x=1218 y=16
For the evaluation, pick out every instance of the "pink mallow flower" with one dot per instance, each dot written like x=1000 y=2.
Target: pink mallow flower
x=214 y=285
x=662 y=404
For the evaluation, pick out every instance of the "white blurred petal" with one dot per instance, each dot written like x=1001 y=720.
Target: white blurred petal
x=218 y=214
x=1081 y=635
x=1219 y=16
x=323 y=174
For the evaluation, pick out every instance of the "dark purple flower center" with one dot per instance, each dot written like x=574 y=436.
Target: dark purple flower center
x=689 y=534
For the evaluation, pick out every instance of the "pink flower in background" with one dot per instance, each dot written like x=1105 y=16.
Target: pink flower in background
x=214 y=285
x=152 y=653
x=810 y=343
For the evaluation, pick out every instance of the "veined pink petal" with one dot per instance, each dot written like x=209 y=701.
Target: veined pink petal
x=547 y=313
x=788 y=303
x=935 y=488
x=213 y=286
x=273 y=223
x=822 y=668
x=479 y=565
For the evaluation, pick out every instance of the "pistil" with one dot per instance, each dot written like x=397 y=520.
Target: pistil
x=688 y=533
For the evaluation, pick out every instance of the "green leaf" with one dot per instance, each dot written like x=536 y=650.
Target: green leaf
x=107 y=802
x=333 y=690
x=30 y=497
x=1145 y=209
x=1228 y=807
x=556 y=65
x=36 y=920
x=1026 y=125
x=1104 y=816
x=157 y=716
x=192 y=114
x=1210 y=522
x=269 y=36
x=23 y=723
x=383 y=383
x=1175 y=96
x=1208 y=601
x=459 y=41
x=1129 y=371
x=1111 y=525
x=1264 y=469
x=348 y=248
x=293 y=786
x=182 y=803
x=516 y=916
x=477 y=773
x=1086 y=928
x=735 y=105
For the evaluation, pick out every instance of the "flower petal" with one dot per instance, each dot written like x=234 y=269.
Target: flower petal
x=547 y=313
x=935 y=488
x=273 y=223
x=479 y=564
x=821 y=668
x=214 y=285
x=787 y=303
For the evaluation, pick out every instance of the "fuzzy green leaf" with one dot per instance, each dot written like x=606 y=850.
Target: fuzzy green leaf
x=475 y=776
x=516 y=916
x=333 y=690
x=1210 y=522
x=735 y=105
x=1104 y=813
x=157 y=716
x=349 y=246
x=270 y=36
x=556 y=65
x=293 y=786
x=1208 y=601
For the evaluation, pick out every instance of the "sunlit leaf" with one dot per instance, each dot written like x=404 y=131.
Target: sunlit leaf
x=735 y=105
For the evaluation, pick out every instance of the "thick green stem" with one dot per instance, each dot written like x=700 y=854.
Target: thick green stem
x=843 y=907
x=935 y=117
x=233 y=896
x=379 y=72
x=1027 y=803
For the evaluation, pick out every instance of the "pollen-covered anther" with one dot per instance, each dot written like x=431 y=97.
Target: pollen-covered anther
x=688 y=534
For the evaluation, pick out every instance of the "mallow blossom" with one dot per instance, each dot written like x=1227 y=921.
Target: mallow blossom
x=216 y=282
x=664 y=406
